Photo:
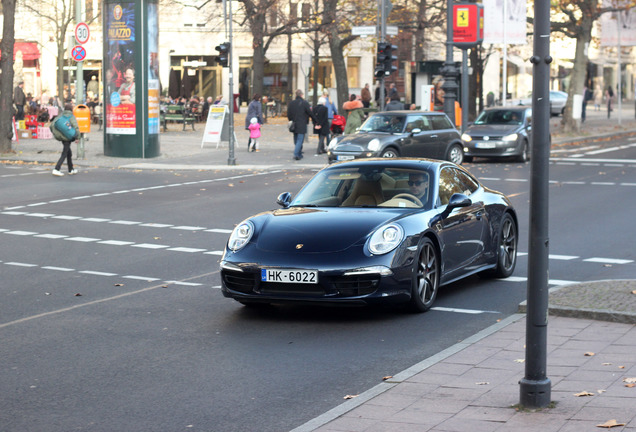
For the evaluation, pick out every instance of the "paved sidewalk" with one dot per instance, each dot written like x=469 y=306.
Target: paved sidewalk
x=182 y=150
x=473 y=385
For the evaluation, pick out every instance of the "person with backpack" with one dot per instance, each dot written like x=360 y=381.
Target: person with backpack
x=66 y=130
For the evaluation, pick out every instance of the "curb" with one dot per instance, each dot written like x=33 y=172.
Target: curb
x=622 y=317
x=364 y=397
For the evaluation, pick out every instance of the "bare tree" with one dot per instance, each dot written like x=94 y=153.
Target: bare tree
x=6 y=76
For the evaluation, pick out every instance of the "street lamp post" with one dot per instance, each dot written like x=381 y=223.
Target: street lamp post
x=231 y=157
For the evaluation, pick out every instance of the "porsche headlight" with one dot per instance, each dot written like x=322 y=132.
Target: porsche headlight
x=511 y=137
x=385 y=239
x=333 y=143
x=240 y=235
x=466 y=137
x=374 y=144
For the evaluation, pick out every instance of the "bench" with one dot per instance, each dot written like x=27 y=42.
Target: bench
x=179 y=114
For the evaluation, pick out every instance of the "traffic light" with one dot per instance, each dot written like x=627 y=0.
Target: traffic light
x=380 y=60
x=224 y=54
x=390 y=58
x=384 y=60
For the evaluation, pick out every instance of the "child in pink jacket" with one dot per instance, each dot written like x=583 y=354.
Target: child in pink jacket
x=255 y=134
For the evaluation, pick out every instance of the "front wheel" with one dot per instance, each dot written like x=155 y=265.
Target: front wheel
x=456 y=154
x=390 y=152
x=524 y=156
x=426 y=272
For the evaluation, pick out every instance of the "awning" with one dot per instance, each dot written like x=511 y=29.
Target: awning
x=29 y=50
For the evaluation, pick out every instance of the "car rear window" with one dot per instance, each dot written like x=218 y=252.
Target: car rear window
x=441 y=122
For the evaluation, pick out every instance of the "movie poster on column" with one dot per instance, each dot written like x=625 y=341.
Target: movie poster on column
x=153 y=69
x=120 y=69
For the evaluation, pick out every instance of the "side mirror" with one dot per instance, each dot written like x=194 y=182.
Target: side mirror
x=284 y=199
x=456 y=200
x=416 y=131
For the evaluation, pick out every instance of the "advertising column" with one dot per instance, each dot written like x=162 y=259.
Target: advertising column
x=131 y=80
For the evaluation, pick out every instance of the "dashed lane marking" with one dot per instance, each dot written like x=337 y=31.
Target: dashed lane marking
x=125 y=191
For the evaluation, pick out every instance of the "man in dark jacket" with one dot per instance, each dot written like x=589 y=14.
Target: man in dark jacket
x=19 y=99
x=299 y=112
x=395 y=104
x=321 y=124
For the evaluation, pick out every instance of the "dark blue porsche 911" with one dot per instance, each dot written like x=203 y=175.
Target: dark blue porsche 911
x=372 y=230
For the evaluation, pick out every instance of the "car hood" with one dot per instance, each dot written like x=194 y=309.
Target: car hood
x=362 y=139
x=324 y=230
x=492 y=130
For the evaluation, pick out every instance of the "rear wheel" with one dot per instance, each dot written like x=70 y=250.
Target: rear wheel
x=506 y=249
x=390 y=152
x=426 y=272
x=456 y=154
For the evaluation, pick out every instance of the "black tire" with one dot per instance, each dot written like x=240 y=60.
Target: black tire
x=506 y=248
x=390 y=152
x=455 y=154
x=426 y=273
x=468 y=159
x=525 y=153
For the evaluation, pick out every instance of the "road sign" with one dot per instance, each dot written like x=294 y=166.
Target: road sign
x=391 y=30
x=82 y=33
x=363 y=30
x=78 y=53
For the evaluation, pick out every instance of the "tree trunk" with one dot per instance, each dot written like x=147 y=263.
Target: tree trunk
x=579 y=69
x=258 y=26
x=6 y=77
x=337 y=58
x=61 y=60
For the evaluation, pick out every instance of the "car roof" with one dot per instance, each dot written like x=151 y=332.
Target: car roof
x=509 y=108
x=412 y=163
x=405 y=112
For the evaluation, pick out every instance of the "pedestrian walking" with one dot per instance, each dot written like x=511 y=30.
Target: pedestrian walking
x=19 y=99
x=254 y=109
x=255 y=134
x=321 y=125
x=587 y=96
x=332 y=111
x=609 y=94
x=365 y=96
x=66 y=130
x=395 y=104
x=299 y=113
x=355 y=114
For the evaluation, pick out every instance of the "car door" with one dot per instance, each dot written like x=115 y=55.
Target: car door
x=462 y=232
x=444 y=134
x=422 y=143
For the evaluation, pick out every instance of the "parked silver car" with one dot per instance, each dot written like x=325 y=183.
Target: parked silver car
x=558 y=100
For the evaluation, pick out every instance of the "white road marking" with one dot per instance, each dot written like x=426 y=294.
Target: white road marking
x=64 y=269
x=124 y=222
x=96 y=273
x=464 y=311
x=217 y=230
x=82 y=239
x=183 y=283
x=19 y=264
x=188 y=228
x=150 y=246
x=562 y=257
x=142 y=278
x=94 y=220
x=185 y=249
x=213 y=253
x=50 y=236
x=21 y=233
x=608 y=260
x=116 y=242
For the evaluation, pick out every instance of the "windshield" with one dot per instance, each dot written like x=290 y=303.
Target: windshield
x=502 y=116
x=384 y=123
x=366 y=187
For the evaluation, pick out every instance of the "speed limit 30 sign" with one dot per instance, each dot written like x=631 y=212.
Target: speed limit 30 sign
x=82 y=33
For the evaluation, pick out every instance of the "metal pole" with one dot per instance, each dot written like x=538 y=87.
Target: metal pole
x=382 y=4
x=231 y=159
x=535 y=387
x=464 y=96
x=504 y=86
x=620 y=78
x=79 y=80
x=449 y=71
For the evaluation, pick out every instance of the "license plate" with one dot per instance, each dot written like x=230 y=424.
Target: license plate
x=343 y=157
x=486 y=145
x=289 y=276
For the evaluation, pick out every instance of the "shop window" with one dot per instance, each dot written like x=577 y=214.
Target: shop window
x=353 y=71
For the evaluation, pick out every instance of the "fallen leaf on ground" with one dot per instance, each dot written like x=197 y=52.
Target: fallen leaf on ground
x=482 y=383
x=621 y=367
x=630 y=385
x=634 y=292
x=629 y=380
x=583 y=393
x=605 y=364
x=600 y=391
x=520 y=360
x=350 y=396
x=610 y=424
x=119 y=284
x=589 y=354
x=78 y=295
x=387 y=377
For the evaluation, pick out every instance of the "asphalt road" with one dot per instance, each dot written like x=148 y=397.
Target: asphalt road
x=111 y=317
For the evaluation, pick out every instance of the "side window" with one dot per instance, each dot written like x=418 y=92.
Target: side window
x=452 y=181
x=468 y=184
x=441 y=122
